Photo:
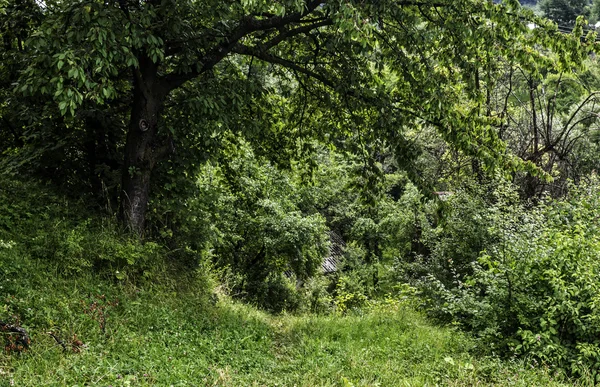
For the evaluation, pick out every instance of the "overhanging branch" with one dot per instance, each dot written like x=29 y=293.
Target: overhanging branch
x=262 y=55
x=246 y=26
x=294 y=32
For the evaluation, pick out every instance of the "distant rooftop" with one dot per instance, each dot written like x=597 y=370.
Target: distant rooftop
x=336 y=252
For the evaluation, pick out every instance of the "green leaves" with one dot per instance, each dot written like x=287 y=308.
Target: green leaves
x=80 y=49
x=564 y=12
x=534 y=290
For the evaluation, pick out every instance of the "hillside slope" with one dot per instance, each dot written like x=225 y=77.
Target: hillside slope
x=87 y=331
x=105 y=310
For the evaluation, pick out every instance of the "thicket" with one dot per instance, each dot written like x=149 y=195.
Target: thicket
x=49 y=226
x=532 y=288
x=521 y=276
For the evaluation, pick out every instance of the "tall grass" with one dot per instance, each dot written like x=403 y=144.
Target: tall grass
x=119 y=334
x=103 y=310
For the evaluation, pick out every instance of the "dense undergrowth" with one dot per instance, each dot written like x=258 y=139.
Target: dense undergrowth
x=531 y=288
x=105 y=309
x=173 y=227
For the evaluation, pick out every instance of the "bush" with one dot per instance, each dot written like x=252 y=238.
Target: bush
x=461 y=233
x=84 y=248
x=535 y=291
x=316 y=297
x=73 y=239
x=350 y=293
x=257 y=235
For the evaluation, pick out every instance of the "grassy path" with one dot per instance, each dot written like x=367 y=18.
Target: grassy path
x=175 y=335
x=165 y=339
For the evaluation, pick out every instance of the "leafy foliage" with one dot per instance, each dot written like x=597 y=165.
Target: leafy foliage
x=53 y=230
x=247 y=137
x=564 y=12
x=351 y=74
x=256 y=229
x=533 y=290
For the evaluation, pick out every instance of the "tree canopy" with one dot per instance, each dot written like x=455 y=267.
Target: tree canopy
x=123 y=86
x=311 y=155
x=564 y=12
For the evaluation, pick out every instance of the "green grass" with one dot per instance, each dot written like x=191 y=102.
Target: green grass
x=159 y=335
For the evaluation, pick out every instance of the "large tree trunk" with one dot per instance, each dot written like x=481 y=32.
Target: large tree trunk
x=143 y=150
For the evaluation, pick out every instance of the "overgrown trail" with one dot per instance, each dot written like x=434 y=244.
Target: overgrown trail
x=117 y=335
x=88 y=331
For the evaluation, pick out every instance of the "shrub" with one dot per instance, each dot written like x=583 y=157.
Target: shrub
x=535 y=291
x=71 y=238
x=257 y=234
x=103 y=250
x=349 y=293
x=316 y=297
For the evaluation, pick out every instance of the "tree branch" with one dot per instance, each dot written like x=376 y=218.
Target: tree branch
x=22 y=339
x=259 y=54
x=290 y=33
x=247 y=26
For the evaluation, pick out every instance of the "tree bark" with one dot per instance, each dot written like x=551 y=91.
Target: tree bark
x=142 y=148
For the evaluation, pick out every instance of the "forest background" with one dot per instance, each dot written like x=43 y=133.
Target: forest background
x=306 y=157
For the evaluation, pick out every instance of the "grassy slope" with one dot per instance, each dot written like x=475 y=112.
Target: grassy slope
x=161 y=337
x=168 y=332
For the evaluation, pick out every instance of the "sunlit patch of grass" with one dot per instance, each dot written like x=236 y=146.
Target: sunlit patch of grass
x=157 y=337
x=163 y=335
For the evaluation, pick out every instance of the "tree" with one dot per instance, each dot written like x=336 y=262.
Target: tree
x=551 y=124
x=564 y=12
x=595 y=11
x=365 y=71
x=14 y=31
